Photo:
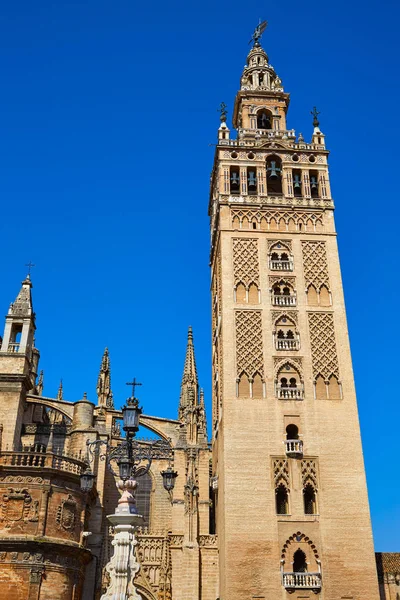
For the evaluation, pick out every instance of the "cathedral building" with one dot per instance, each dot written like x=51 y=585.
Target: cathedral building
x=276 y=505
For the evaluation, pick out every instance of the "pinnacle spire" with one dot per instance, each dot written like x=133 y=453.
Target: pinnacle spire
x=190 y=369
x=60 y=393
x=22 y=306
x=40 y=383
x=189 y=385
x=104 y=393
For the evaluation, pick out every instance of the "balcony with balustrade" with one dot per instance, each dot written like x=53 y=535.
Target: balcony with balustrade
x=294 y=448
x=284 y=299
x=290 y=392
x=302 y=581
x=286 y=343
x=281 y=265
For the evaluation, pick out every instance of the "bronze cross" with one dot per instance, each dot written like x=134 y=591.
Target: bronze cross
x=133 y=383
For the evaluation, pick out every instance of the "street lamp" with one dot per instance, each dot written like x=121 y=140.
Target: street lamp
x=87 y=480
x=133 y=459
x=131 y=415
x=169 y=476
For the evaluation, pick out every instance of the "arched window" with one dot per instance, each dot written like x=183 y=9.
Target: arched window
x=243 y=386
x=251 y=180
x=299 y=562
x=292 y=432
x=280 y=260
x=264 y=119
x=309 y=498
x=274 y=175
x=290 y=335
x=282 y=500
x=297 y=182
x=235 y=180
x=280 y=335
x=289 y=385
x=314 y=184
x=143 y=494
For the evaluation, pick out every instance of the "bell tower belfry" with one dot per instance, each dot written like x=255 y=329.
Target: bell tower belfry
x=289 y=487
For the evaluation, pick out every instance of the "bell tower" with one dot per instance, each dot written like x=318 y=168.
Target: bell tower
x=19 y=361
x=289 y=486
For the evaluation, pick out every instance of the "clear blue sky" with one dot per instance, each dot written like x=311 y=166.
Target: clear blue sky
x=107 y=113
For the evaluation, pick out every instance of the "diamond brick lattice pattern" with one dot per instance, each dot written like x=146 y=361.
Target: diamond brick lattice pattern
x=245 y=262
x=315 y=264
x=281 y=472
x=323 y=345
x=249 y=346
x=309 y=472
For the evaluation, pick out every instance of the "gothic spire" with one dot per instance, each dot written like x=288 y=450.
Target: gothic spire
x=190 y=369
x=104 y=393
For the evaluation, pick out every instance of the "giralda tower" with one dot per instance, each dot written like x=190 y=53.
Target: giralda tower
x=290 y=494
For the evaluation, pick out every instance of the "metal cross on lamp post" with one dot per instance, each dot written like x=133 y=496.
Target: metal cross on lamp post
x=133 y=459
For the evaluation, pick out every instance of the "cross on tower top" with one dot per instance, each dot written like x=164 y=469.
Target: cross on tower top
x=30 y=264
x=133 y=383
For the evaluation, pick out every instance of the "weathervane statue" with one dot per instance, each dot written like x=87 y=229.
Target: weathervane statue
x=259 y=30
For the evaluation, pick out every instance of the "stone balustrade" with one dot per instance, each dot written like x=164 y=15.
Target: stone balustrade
x=301 y=581
x=286 y=344
x=283 y=300
x=294 y=447
x=42 y=460
x=281 y=265
x=290 y=393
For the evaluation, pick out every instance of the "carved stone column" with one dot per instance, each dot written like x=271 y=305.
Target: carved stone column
x=123 y=566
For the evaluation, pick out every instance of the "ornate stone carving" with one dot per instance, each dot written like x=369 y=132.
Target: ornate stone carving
x=269 y=219
x=291 y=281
x=176 y=541
x=284 y=243
x=323 y=345
x=66 y=514
x=249 y=344
x=20 y=479
x=280 y=362
x=315 y=264
x=18 y=506
x=309 y=472
x=245 y=262
x=291 y=315
x=208 y=541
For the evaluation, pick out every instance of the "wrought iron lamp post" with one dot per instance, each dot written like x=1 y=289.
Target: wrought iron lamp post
x=133 y=460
